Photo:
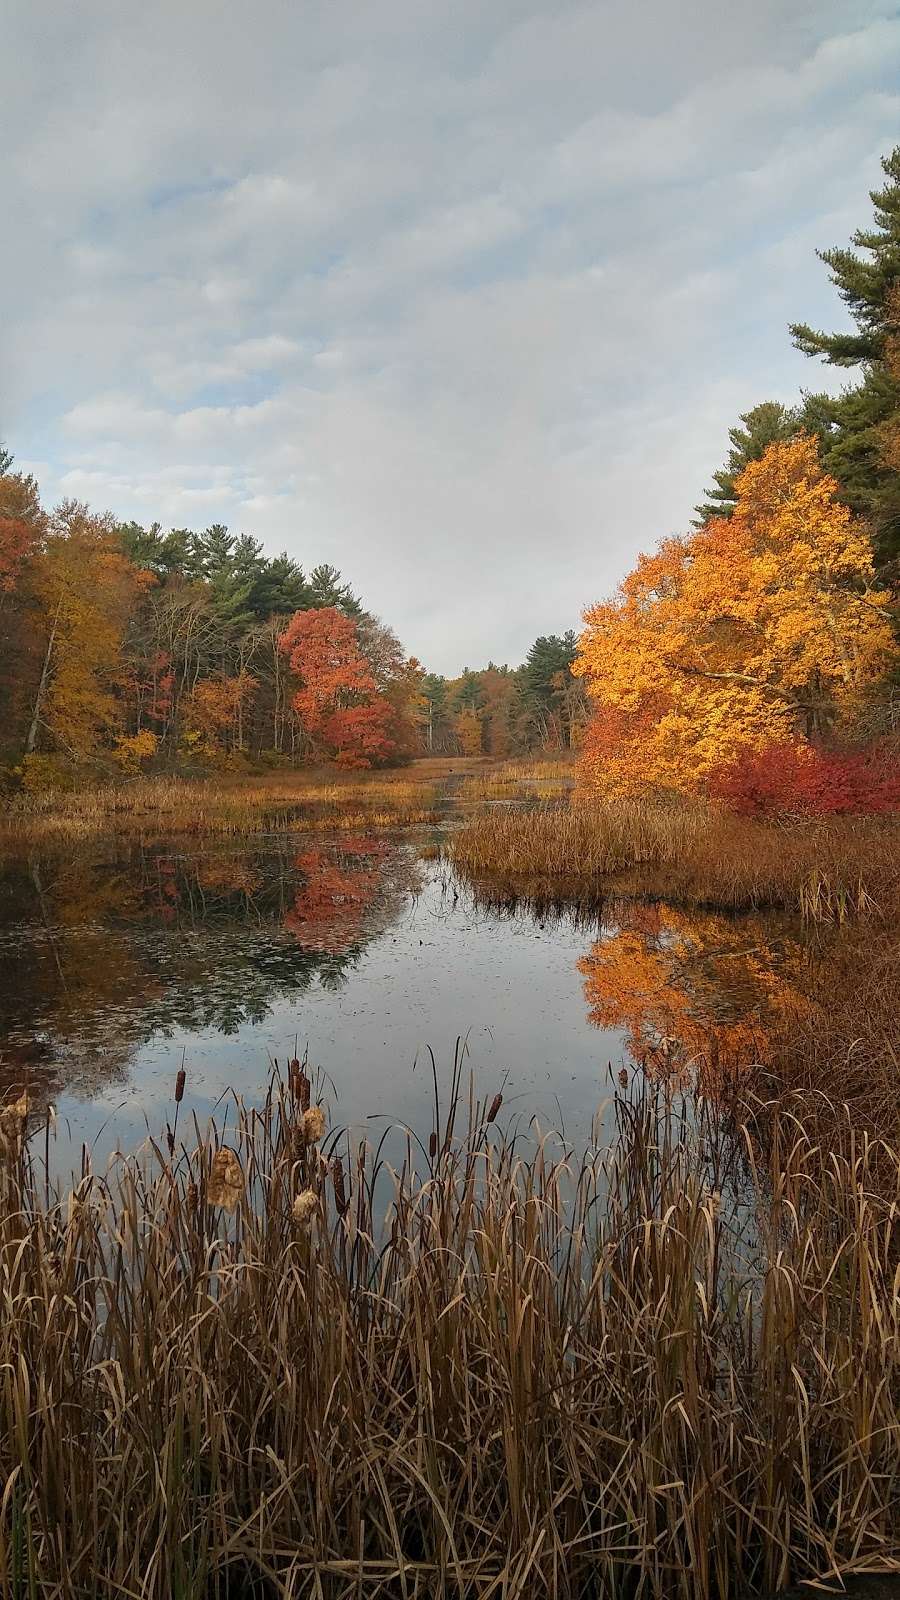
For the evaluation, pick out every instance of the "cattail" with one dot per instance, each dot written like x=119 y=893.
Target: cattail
x=623 y=1077
x=432 y=1145
x=337 y=1178
x=313 y=1126
x=13 y=1118
x=294 y=1077
x=304 y=1207
x=226 y=1180
x=304 y=1088
x=496 y=1103
x=180 y=1082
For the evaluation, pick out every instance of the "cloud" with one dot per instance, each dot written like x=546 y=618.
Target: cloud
x=462 y=299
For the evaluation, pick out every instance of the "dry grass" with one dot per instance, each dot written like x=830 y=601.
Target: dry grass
x=543 y=1376
x=162 y=806
x=521 y=780
x=829 y=871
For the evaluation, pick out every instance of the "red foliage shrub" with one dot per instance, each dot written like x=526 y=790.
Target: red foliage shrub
x=798 y=780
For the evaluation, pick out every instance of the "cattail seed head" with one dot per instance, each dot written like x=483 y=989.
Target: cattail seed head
x=337 y=1178
x=13 y=1118
x=180 y=1082
x=226 y=1180
x=313 y=1125
x=432 y=1145
x=304 y=1207
x=496 y=1103
x=304 y=1088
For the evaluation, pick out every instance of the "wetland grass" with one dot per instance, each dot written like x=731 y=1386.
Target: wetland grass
x=670 y=1368
x=144 y=807
x=827 y=871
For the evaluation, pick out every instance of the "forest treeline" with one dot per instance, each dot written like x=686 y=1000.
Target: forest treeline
x=756 y=657
x=126 y=649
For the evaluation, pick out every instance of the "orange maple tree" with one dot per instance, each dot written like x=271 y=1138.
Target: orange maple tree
x=764 y=628
x=341 y=709
x=22 y=523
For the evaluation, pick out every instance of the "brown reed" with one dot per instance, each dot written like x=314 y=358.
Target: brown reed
x=669 y=1367
x=828 y=871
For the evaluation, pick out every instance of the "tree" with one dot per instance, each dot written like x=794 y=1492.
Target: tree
x=87 y=589
x=768 y=423
x=327 y=589
x=764 y=627
x=22 y=523
x=554 y=698
x=154 y=551
x=866 y=278
x=280 y=589
x=338 y=702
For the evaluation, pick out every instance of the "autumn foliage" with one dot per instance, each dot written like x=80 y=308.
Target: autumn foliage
x=797 y=780
x=339 y=705
x=763 y=630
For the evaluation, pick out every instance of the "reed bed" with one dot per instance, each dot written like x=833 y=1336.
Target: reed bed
x=164 y=806
x=827 y=871
x=258 y=1363
x=520 y=780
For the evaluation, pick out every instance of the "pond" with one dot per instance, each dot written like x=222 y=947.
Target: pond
x=121 y=962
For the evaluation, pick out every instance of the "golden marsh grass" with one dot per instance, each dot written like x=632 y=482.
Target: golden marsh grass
x=827 y=871
x=160 y=806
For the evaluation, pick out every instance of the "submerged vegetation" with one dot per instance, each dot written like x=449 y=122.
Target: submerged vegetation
x=263 y=1363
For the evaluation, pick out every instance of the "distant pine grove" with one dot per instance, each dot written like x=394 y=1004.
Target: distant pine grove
x=762 y=643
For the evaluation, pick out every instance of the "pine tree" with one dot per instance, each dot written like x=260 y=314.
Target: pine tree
x=230 y=567
x=328 y=590
x=768 y=423
x=867 y=278
x=280 y=589
x=155 y=551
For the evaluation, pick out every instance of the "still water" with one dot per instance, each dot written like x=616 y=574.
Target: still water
x=121 y=962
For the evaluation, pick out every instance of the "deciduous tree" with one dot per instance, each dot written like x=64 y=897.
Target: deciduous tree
x=765 y=627
x=340 y=707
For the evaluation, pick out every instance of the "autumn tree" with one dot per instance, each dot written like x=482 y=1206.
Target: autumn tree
x=765 y=424
x=22 y=523
x=88 y=589
x=765 y=627
x=342 y=712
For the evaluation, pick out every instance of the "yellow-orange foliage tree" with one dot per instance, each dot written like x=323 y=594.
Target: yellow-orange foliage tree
x=87 y=589
x=763 y=628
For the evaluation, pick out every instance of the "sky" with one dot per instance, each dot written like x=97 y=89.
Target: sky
x=459 y=297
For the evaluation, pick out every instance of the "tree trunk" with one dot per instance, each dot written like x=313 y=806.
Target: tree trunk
x=31 y=740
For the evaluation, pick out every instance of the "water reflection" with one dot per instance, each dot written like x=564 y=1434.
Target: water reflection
x=693 y=992
x=116 y=964
x=99 y=954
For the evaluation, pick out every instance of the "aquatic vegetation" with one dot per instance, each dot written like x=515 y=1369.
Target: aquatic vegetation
x=693 y=853
x=673 y=1365
x=156 y=807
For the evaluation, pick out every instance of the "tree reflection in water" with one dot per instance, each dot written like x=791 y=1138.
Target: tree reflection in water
x=99 y=953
